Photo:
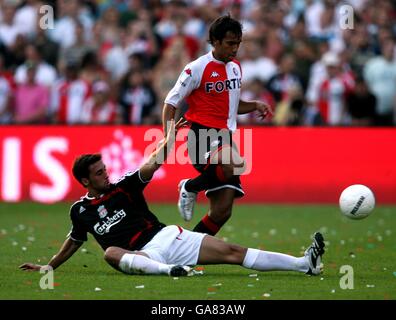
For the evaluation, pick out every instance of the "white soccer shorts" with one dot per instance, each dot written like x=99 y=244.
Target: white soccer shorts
x=175 y=245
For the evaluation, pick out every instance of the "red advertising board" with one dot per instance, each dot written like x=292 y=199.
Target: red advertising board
x=285 y=165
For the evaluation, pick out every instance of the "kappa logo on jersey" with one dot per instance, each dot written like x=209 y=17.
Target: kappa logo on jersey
x=104 y=226
x=102 y=212
x=214 y=74
x=220 y=86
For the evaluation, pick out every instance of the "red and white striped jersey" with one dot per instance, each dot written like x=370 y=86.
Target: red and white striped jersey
x=212 y=90
x=332 y=98
x=104 y=114
x=69 y=99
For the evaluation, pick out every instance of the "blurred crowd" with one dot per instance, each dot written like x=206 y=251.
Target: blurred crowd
x=316 y=62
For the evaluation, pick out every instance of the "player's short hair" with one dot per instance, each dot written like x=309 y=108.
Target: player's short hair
x=82 y=163
x=221 y=26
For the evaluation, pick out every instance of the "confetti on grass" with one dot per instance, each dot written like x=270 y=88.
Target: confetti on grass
x=98 y=289
x=140 y=287
x=212 y=290
x=266 y=295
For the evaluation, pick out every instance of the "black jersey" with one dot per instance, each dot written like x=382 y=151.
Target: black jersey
x=120 y=217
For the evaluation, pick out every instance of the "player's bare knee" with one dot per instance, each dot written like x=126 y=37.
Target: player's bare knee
x=236 y=254
x=112 y=255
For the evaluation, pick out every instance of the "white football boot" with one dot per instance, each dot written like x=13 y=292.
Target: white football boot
x=186 y=201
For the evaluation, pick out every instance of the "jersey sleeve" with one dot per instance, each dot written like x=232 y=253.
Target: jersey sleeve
x=188 y=80
x=132 y=181
x=77 y=233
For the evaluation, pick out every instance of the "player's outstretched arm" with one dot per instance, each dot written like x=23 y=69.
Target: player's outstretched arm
x=158 y=157
x=68 y=248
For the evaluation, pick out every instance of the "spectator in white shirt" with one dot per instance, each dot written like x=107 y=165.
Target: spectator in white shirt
x=45 y=74
x=380 y=75
x=8 y=28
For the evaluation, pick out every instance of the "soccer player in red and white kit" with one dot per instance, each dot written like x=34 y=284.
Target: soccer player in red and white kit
x=211 y=85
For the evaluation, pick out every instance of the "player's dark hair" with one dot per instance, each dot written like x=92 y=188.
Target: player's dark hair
x=221 y=26
x=82 y=163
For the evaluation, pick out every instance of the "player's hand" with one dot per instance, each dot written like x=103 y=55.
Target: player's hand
x=181 y=124
x=264 y=110
x=30 y=267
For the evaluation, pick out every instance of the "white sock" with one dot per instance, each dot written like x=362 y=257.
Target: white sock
x=272 y=261
x=135 y=263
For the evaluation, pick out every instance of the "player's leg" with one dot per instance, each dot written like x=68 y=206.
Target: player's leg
x=216 y=178
x=216 y=251
x=226 y=165
x=221 y=202
x=221 y=192
x=136 y=262
x=218 y=163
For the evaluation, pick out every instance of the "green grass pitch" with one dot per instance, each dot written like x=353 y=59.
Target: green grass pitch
x=33 y=233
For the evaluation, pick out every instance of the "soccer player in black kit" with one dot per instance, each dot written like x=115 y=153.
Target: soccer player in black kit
x=135 y=242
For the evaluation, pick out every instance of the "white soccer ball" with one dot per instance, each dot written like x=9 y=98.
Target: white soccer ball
x=357 y=201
